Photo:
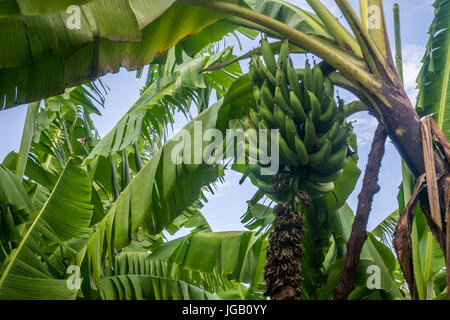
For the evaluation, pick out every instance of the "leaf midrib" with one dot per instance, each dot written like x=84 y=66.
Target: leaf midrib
x=442 y=103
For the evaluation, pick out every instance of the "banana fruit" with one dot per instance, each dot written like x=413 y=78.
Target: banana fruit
x=313 y=135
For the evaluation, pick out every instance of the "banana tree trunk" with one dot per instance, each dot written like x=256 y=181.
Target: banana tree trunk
x=403 y=127
x=402 y=124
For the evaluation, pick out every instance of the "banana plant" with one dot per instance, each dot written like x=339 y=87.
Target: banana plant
x=154 y=195
x=361 y=55
x=62 y=126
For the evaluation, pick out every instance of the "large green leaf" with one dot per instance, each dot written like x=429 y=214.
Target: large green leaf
x=65 y=215
x=293 y=16
x=385 y=230
x=373 y=253
x=162 y=190
x=36 y=7
x=12 y=190
x=113 y=34
x=319 y=223
x=158 y=194
x=237 y=255
x=434 y=78
x=143 y=287
x=164 y=280
x=153 y=108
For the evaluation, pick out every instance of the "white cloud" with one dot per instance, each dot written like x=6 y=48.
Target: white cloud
x=412 y=56
x=364 y=126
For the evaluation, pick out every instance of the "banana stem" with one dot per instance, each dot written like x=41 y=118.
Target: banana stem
x=364 y=9
x=342 y=36
x=371 y=52
x=339 y=62
x=249 y=24
x=377 y=26
x=398 y=42
x=355 y=107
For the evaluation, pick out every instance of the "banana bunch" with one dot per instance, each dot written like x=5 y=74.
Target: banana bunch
x=313 y=134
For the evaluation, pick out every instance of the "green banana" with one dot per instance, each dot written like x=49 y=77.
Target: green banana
x=267 y=115
x=260 y=68
x=327 y=116
x=303 y=98
x=341 y=114
x=297 y=107
x=324 y=178
x=263 y=186
x=266 y=95
x=325 y=103
x=318 y=81
x=282 y=83
x=293 y=79
x=257 y=81
x=279 y=116
x=280 y=78
x=312 y=194
x=340 y=138
x=255 y=170
x=330 y=134
x=291 y=130
x=287 y=155
x=254 y=117
x=268 y=57
x=256 y=93
x=334 y=130
x=263 y=125
x=284 y=55
x=321 y=156
x=308 y=78
x=300 y=149
x=326 y=126
x=337 y=161
x=328 y=87
x=271 y=78
x=310 y=135
x=280 y=100
x=318 y=187
x=315 y=107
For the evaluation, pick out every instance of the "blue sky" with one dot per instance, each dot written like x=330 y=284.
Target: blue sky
x=224 y=209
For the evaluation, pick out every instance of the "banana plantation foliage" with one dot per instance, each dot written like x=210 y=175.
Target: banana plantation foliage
x=86 y=217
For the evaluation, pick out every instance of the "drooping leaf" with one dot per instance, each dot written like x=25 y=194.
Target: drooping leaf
x=12 y=190
x=385 y=230
x=374 y=253
x=153 y=108
x=117 y=34
x=65 y=215
x=237 y=255
x=158 y=194
x=434 y=78
x=143 y=287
